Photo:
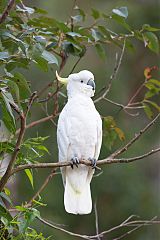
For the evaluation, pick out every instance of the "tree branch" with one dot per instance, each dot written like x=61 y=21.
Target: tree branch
x=49 y=177
x=114 y=74
x=96 y=221
x=134 y=139
x=6 y=11
x=23 y=116
x=136 y=224
x=7 y=174
x=108 y=160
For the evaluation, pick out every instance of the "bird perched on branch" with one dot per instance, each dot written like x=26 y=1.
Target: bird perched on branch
x=79 y=136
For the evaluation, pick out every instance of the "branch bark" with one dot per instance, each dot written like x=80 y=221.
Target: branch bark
x=135 y=138
x=113 y=76
x=86 y=162
x=135 y=224
x=15 y=153
x=6 y=11
x=23 y=117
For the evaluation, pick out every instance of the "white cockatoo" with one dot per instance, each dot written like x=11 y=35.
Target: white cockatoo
x=79 y=136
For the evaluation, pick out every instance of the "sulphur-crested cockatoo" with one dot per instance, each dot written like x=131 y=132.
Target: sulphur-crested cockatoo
x=79 y=136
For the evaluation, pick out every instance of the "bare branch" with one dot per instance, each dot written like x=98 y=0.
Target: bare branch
x=108 y=160
x=76 y=63
x=46 y=222
x=135 y=138
x=114 y=74
x=96 y=221
x=23 y=116
x=49 y=177
x=136 y=224
x=132 y=230
x=6 y=11
x=7 y=174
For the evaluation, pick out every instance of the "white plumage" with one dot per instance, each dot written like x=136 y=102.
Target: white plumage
x=79 y=136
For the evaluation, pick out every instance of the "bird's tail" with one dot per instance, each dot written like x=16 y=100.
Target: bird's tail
x=77 y=195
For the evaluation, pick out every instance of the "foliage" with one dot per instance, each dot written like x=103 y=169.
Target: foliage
x=28 y=36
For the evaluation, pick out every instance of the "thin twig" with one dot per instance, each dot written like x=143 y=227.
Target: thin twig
x=134 y=229
x=130 y=106
x=108 y=160
x=46 y=222
x=135 y=138
x=49 y=177
x=137 y=224
x=114 y=74
x=23 y=116
x=96 y=221
x=74 y=66
x=7 y=174
x=137 y=92
x=6 y=11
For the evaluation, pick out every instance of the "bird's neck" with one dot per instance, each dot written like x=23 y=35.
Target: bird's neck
x=79 y=97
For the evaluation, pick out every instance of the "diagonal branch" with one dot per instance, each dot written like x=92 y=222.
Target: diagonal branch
x=135 y=138
x=113 y=76
x=49 y=177
x=6 y=11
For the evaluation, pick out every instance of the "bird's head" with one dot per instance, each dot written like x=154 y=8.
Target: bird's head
x=79 y=83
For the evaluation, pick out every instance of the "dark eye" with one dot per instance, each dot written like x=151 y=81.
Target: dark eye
x=81 y=81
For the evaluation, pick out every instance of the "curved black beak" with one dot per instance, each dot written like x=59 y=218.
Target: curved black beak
x=91 y=83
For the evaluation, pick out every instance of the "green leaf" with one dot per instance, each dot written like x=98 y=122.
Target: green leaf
x=149 y=28
x=40 y=39
x=73 y=34
x=77 y=18
x=20 y=43
x=81 y=12
x=122 y=12
x=96 y=34
x=40 y=11
x=120 y=20
x=49 y=57
x=30 y=176
x=154 y=81
x=14 y=89
x=4 y=212
x=151 y=41
x=148 y=110
x=154 y=104
x=3 y=195
x=23 y=85
x=105 y=32
x=95 y=13
x=100 y=51
x=111 y=132
x=4 y=55
x=7 y=97
x=42 y=63
x=8 y=123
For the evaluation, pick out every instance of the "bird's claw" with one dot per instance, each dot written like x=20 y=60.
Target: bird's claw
x=75 y=161
x=93 y=162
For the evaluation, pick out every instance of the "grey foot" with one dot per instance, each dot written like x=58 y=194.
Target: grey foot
x=75 y=161
x=93 y=162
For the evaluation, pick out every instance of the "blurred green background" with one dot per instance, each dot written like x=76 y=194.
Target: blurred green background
x=122 y=189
